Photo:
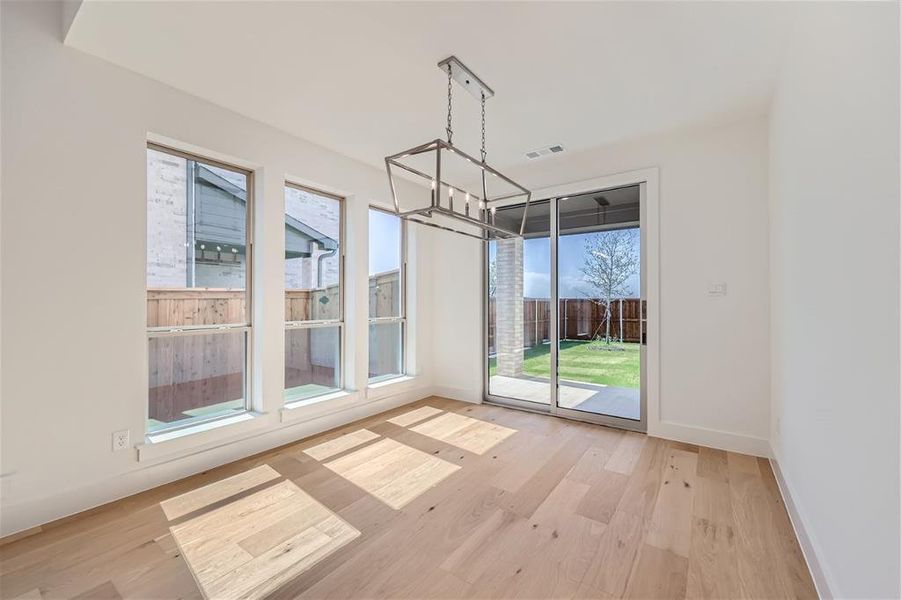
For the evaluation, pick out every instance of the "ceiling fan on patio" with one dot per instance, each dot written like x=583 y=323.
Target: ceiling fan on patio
x=476 y=210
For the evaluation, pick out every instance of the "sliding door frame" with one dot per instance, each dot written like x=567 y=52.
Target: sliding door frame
x=647 y=179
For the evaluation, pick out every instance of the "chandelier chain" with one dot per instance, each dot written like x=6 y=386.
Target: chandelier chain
x=449 y=129
x=484 y=151
x=479 y=221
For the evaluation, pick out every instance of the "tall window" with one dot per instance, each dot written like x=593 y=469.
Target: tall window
x=313 y=293
x=198 y=299
x=386 y=296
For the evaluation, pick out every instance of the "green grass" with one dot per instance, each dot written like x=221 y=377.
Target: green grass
x=579 y=362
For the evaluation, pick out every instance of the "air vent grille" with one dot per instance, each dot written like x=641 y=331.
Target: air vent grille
x=546 y=151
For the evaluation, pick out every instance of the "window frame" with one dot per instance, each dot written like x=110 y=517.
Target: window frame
x=179 y=331
x=319 y=323
x=402 y=318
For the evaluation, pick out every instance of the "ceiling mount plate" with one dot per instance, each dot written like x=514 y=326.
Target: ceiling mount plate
x=465 y=77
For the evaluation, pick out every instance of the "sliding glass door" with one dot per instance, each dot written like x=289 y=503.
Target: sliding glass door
x=564 y=309
x=518 y=288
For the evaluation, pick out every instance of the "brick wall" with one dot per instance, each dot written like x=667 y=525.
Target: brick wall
x=509 y=333
x=167 y=233
x=166 y=220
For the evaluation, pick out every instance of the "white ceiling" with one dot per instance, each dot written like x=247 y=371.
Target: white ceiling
x=360 y=78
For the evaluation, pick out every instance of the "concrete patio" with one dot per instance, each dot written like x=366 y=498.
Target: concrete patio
x=588 y=397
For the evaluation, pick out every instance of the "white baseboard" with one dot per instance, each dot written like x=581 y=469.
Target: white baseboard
x=722 y=440
x=712 y=438
x=461 y=394
x=808 y=547
x=38 y=511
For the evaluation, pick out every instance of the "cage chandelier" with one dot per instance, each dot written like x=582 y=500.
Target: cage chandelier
x=476 y=210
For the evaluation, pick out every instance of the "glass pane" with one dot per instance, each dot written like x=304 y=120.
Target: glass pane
x=196 y=377
x=312 y=256
x=196 y=242
x=312 y=362
x=385 y=244
x=519 y=292
x=385 y=351
x=599 y=262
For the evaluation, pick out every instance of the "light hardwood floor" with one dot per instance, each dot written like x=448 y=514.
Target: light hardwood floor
x=438 y=499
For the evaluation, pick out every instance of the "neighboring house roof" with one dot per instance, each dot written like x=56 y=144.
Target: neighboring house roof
x=325 y=241
x=221 y=218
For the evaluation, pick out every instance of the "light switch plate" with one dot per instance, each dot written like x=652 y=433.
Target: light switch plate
x=717 y=288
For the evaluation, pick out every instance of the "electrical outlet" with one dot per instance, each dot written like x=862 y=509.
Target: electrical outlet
x=120 y=440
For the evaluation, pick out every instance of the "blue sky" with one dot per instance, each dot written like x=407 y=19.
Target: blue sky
x=537 y=267
x=384 y=242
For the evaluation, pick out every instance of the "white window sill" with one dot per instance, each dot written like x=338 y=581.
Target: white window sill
x=390 y=387
x=317 y=399
x=193 y=439
x=320 y=406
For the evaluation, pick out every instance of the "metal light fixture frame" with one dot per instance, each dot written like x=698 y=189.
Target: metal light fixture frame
x=483 y=215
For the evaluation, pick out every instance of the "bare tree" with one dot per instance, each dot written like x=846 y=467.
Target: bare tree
x=611 y=258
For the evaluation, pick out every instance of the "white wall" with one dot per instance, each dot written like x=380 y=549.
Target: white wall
x=714 y=367
x=73 y=248
x=456 y=292
x=835 y=267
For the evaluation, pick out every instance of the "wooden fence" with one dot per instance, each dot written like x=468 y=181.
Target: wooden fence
x=211 y=306
x=191 y=372
x=580 y=319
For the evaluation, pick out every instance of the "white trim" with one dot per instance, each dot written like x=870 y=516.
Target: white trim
x=342 y=279
x=319 y=406
x=712 y=438
x=462 y=394
x=605 y=181
x=389 y=387
x=407 y=359
x=194 y=438
x=315 y=186
x=252 y=381
x=172 y=467
x=821 y=579
x=202 y=152
x=553 y=308
x=650 y=177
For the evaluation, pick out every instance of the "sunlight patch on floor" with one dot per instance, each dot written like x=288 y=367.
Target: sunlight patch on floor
x=392 y=472
x=414 y=416
x=207 y=495
x=472 y=435
x=340 y=444
x=250 y=547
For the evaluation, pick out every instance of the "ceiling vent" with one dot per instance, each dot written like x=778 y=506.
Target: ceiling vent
x=546 y=151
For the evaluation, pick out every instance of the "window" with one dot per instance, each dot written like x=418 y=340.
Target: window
x=198 y=299
x=386 y=296
x=313 y=293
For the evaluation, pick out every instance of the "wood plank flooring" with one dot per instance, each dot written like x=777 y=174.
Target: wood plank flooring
x=438 y=499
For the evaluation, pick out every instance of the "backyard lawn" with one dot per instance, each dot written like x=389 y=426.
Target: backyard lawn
x=579 y=362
